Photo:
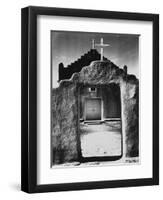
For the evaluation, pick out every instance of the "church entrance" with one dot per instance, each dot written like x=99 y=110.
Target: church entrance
x=92 y=109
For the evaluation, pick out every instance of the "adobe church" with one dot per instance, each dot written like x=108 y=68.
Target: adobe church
x=95 y=111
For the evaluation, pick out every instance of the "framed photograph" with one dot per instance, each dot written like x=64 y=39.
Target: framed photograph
x=90 y=99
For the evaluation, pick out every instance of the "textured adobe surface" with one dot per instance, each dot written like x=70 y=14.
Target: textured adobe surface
x=65 y=120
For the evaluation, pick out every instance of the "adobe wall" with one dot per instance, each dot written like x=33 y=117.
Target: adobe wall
x=65 y=115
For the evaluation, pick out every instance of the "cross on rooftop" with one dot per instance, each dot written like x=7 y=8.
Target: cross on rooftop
x=101 y=45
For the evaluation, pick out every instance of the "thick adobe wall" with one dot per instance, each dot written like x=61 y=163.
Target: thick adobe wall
x=65 y=110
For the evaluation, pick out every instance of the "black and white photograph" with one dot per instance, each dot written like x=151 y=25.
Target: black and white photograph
x=90 y=99
x=94 y=99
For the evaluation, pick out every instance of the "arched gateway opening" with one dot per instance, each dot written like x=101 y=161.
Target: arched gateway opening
x=100 y=129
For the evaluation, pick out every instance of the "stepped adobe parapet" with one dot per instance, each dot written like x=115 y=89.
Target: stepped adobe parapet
x=84 y=60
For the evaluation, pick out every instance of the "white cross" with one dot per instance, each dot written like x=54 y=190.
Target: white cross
x=102 y=45
x=93 y=44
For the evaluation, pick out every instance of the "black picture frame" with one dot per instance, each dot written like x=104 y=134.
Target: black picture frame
x=29 y=98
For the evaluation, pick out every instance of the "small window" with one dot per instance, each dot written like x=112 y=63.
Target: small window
x=92 y=89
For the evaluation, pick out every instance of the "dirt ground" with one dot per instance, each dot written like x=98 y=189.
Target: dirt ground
x=101 y=139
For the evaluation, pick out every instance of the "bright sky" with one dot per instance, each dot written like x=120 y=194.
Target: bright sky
x=67 y=47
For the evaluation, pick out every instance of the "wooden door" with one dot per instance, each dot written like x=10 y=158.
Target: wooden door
x=92 y=109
